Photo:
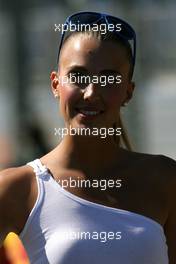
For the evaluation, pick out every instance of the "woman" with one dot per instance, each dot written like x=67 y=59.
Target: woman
x=57 y=203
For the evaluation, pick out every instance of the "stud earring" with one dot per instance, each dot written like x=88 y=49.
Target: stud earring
x=125 y=104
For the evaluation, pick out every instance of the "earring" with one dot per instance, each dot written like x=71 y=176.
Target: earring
x=125 y=104
x=56 y=95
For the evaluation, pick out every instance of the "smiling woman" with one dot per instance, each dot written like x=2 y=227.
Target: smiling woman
x=141 y=211
x=109 y=79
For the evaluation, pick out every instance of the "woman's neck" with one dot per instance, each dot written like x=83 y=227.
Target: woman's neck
x=88 y=153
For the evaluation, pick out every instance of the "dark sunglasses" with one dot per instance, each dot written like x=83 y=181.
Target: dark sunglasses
x=126 y=33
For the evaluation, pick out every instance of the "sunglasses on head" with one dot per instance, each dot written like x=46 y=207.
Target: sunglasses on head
x=125 y=33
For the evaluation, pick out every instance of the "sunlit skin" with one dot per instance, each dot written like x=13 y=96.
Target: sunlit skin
x=92 y=57
x=148 y=181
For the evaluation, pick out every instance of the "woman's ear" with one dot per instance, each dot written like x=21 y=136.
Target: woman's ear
x=54 y=83
x=129 y=93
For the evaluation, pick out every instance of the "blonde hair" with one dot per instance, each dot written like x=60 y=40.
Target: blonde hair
x=124 y=139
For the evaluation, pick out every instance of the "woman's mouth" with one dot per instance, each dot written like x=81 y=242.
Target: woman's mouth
x=89 y=112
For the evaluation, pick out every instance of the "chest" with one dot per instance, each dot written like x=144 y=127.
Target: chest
x=137 y=194
x=73 y=229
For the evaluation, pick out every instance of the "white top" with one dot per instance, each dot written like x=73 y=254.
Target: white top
x=64 y=229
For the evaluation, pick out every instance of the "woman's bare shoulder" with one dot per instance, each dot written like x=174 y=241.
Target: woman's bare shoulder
x=16 y=196
x=159 y=159
x=168 y=165
x=153 y=164
x=16 y=177
x=164 y=165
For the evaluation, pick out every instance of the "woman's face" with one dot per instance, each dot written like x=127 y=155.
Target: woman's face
x=92 y=104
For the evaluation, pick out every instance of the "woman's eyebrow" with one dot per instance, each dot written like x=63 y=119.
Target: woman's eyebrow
x=110 y=72
x=77 y=68
x=85 y=70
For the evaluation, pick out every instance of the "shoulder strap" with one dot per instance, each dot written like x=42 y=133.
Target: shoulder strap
x=37 y=166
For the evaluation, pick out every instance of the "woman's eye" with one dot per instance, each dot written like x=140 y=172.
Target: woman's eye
x=79 y=78
x=110 y=80
x=74 y=73
x=75 y=76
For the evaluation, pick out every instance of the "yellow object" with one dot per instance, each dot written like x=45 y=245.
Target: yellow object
x=15 y=251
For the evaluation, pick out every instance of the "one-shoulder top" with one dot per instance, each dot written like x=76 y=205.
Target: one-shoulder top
x=63 y=228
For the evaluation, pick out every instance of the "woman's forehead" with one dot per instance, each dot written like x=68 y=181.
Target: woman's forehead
x=84 y=49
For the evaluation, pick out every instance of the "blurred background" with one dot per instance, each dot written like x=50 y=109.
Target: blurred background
x=28 y=50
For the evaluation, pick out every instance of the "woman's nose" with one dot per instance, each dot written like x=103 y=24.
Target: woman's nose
x=92 y=91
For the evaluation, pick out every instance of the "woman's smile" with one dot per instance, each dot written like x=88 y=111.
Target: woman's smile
x=88 y=112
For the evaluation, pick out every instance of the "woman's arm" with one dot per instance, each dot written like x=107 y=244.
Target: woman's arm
x=170 y=225
x=15 y=191
x=5 y=186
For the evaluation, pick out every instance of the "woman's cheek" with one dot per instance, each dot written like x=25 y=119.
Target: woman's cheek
x=68 y=98
x=114 y=98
